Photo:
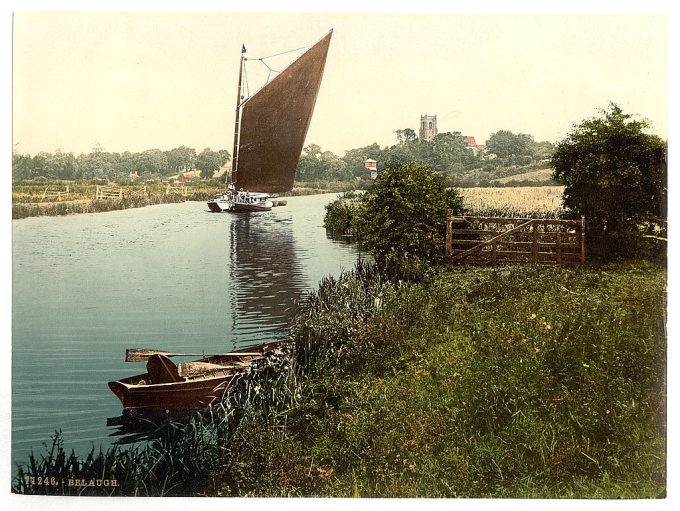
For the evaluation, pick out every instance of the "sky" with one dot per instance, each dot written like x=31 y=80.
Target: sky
x=135 y=81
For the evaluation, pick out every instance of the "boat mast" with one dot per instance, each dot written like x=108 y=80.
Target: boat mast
x=237 y=119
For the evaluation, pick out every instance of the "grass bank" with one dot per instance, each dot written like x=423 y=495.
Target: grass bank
x=31 y=199
x=38 y=198
x=481 y=382
x=513 y=382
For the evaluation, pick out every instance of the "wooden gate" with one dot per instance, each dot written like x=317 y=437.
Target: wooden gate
x=108 y=192
x=487 y=240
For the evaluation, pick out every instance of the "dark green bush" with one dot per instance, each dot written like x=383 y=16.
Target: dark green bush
x=340 y=214
x=616 y=175
x=402 y=219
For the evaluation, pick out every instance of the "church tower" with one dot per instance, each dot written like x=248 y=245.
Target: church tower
x=428 y=127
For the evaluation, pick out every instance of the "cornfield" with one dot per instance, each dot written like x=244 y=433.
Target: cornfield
x=524 y=202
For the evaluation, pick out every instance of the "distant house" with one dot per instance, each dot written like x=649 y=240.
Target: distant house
x=184 y=177
x=372 y=165
x=471 y=144
x=133 y=176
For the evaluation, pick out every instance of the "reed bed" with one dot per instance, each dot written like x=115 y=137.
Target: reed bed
x=27 y=198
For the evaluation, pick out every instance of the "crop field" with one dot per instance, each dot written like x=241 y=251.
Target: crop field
x=523 y=202
x=535 y=176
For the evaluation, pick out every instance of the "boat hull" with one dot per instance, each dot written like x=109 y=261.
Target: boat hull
x=197 y=390
x=219 y=205
x=242 y=204
x=191 y=395
x=252 y=208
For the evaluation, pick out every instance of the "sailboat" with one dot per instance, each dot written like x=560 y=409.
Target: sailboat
x=269 y=131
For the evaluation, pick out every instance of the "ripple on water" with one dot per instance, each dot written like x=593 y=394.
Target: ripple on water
x=174 y=277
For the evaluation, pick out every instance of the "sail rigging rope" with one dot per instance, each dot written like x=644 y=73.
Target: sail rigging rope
x=283 y=53
x=271 y=70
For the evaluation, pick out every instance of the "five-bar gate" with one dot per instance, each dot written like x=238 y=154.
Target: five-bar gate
x=490 y=240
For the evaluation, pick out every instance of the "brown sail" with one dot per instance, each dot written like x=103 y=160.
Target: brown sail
x=274 y=123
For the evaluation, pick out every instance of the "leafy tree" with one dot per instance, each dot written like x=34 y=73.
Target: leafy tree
x=151 y=163
x=355 y=158
x=405 y=135
x=97 y=164
x=402 y=218
x=308 y=168
x=541 y=150
x=316 y=164
x=505 y=143
x=209 y=161
x=62 y=165
x=615 y=174
x=180 y=159
x=450 y=152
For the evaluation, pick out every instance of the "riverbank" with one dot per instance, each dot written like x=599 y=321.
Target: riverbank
x=484 y=382
x=521 y=382
x=30 y=199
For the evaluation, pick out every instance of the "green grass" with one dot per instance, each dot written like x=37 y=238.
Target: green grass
x=549 y=385
x=481 y=382
x=27 y=197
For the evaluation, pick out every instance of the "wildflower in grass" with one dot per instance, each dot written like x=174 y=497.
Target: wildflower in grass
x=324 y=472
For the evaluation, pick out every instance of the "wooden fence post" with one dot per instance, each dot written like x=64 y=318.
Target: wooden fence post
x=449 y=235
x=583 y=239
x=534 y=245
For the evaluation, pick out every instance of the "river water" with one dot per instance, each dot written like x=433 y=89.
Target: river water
x=172 y=277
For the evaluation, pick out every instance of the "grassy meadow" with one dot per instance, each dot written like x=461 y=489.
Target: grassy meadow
x=29 y=198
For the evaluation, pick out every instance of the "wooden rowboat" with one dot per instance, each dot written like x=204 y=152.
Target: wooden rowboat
x=187 y=386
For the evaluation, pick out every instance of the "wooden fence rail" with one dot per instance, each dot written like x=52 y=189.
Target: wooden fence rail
x=182 y=190
x=490 y=240
x=108 y=192
x=55 y=194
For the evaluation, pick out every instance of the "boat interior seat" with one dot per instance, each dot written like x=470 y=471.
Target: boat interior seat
x=189 y=369
x=162 y=370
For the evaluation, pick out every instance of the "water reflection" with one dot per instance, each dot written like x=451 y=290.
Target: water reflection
x=172 y=277
x=266 y=278
x=147 y=426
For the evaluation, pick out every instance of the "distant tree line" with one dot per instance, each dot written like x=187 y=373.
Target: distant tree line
x=103 y=165
x=448 y=152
